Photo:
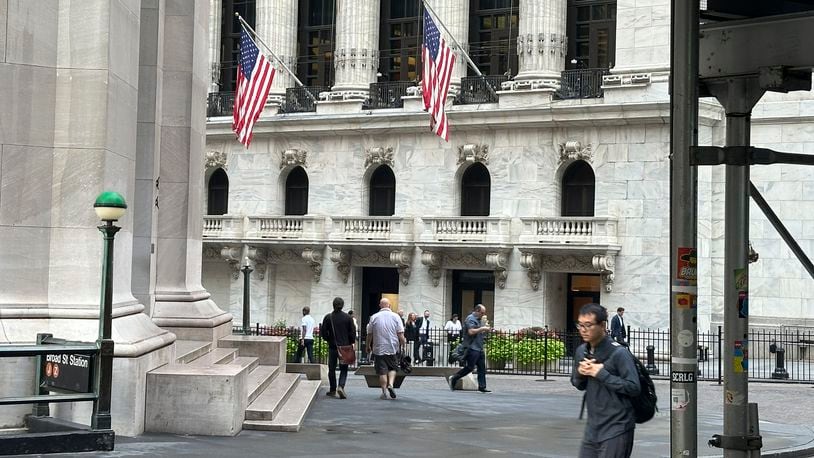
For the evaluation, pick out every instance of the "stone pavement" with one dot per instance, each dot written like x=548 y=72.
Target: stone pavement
x=524 y=416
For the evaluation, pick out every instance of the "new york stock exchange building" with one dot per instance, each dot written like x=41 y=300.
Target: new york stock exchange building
x=552 y=191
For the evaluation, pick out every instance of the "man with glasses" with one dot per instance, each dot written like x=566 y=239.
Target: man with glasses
x=606 y=372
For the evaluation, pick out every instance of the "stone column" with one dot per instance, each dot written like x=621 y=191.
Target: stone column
x=541 y=42
x=182 y=305
x=214 y=44
x=277 y=27
x=356 y=55
x=455 y=16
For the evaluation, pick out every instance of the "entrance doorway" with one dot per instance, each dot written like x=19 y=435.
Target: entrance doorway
x=471 y=287
x=582 y=289
x=378 y=282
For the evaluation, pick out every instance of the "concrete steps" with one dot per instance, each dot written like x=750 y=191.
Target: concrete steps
x=260 y=378
x=291 y=415
x=189 y=350
x=216 y=356
x=272 y=399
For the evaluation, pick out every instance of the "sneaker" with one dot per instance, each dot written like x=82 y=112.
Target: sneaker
x=384 y=397
x=331 y=394
x=452 y=382
x=391 y=391
x=341 y=392
x=484 y=390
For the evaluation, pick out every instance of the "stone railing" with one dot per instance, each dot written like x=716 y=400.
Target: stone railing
x=577 y=230
x=285 y=227
x=222 y=226
x=391 y=228
x=484 y=229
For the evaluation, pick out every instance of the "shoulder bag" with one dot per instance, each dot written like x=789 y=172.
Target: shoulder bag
x=347 y=355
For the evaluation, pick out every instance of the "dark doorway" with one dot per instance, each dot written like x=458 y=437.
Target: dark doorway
x=578 y=188
x=218 y=194
x=471 y=287
x=296 y=192
x=378 y=282
x=382 y=192
x=582 y=289
x=475 y=191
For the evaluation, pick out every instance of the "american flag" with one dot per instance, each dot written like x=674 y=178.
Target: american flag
x=438 y=62
x=254 y=76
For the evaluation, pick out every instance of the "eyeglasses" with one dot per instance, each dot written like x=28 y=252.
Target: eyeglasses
x=584 y=326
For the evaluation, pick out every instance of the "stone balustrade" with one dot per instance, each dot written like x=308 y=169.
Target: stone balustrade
x=225 y=226
x=461 y=229
x=587 y=230
x=390 y=228
x=286 y=227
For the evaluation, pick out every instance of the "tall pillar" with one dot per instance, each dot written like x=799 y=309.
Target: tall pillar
x=455 y=16
x=215 y=11
x=277 y=27
x=182 y=305
x=541 y=42
x=356 y=56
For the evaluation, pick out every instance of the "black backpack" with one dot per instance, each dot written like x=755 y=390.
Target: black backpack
x=644 y=405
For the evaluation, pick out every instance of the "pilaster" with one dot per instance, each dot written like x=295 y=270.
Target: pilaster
x=541 y=44
x=277 y=27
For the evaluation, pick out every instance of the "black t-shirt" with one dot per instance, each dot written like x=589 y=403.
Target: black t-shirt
x=343 y=324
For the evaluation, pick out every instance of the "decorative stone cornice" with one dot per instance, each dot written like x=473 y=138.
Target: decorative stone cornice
x=341 y=257
x=566 y=263
x=527 y=85
x=293 y=157
x=533 y=263
x=432 y=260
x=572 y=150
x=215 y=159
x=473 y=153
x=604 y=264
x=497 y=261
x=402 y=260
x=379 y=155
x=626 y=80
x=314 y=259
x=465 y=260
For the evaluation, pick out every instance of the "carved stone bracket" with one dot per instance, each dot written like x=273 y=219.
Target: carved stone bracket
x=342 y=260
x=314 y=259
x=402 y=260
x=532 y=262
x=379 y=155
x=573 y=150
x=235 y=257
x=604 y=264
x=292 y=157
x=215 y=159
x=432 y=260
x=497 y=261
x=473 y=153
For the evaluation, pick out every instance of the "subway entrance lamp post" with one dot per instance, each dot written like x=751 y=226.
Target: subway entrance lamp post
x=109 y=207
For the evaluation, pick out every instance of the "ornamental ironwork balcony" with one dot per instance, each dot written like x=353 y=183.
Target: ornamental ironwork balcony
x=583 y=83
x=479 y=89
x=220 y=104
x=297 y=100
x=389 y=94
x=573 y=230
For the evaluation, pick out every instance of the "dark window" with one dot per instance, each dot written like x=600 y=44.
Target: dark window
x=493 y=28
x=591 y=34
x=296 y=192
x=578 y=184
x=382 y=192
x=315 y=42
x=400 y=40
x=218 y=194
x=475 y=189
x=230 y=39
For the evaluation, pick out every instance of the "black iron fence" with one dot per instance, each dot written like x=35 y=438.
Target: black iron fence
x=389 y=94
x=479 y=89
x=785 y=354
x=298 y=101
x=581 y=83
x=220 y=104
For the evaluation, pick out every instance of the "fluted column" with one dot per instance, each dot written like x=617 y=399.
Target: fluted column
x=357 y=48
x=214 y=45
x=455 y=16
x=277 y=27
x=541 y=42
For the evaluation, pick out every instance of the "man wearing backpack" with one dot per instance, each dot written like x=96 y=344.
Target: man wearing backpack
x=608 y=375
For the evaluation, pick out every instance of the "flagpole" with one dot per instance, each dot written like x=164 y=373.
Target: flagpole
x=249 y=28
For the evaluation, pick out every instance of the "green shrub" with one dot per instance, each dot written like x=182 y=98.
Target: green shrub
x=499 y=346
x=533 y=350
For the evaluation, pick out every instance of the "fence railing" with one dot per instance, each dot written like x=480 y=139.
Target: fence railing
x=389 y=94
x=297 y=100
x=584 y=83
x=543 y=352
x=479 y=89
x=220 y=104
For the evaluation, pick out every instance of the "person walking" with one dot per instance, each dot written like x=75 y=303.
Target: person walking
x=385 y=335
x=338 y=329
x=618 y=330
x=473 y=333
x=608 y=375
x=423 y=324
x=307 y=325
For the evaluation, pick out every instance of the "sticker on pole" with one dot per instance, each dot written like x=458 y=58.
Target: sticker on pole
x=685 y=301
x=686 y=266
x=742 y=285
x=682 y=376
x=740 y=360
x=679 y=399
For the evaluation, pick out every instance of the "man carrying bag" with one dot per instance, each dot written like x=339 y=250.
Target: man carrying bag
x=340 y=334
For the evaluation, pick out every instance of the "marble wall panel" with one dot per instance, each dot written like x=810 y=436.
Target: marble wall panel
x=25 y=189
x=81 y=109
x=630 y=208
x=74 y=280
x=84 y=35
x=121 y=117
x=648 y=190
x=28 y=117
x=292 y=291
x=171 y=222
x=29 y=32
x=124 y=42
x=24 y=266
x=3 y=29
x=175 y=106
x=178 y=27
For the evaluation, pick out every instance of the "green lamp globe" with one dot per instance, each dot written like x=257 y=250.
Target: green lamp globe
x=110 y=206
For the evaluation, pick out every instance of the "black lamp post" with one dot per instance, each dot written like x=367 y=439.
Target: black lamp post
x=247 y=270
x=109 y=207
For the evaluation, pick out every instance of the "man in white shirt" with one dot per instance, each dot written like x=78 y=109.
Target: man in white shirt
x=306 y=335
x=385 y=335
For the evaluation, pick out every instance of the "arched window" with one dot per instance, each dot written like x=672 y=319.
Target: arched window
x=296 y=192
x=382 y=192
x=475 y=190
x=218 y=194
x=578 y=183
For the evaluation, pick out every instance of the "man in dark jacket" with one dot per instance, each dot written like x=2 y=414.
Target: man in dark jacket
x=337 y=329
x=607 y=373
x=618 y=331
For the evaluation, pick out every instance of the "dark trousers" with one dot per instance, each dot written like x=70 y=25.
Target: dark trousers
x=620 y=446
x=474 y=359
x=333 y=361
x=416 y=353
x=308 y=345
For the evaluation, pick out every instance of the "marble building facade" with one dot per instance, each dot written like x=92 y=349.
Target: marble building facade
x=526 y=140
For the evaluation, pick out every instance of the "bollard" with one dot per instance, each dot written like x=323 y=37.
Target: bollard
x=651 y=367
x=780 y=372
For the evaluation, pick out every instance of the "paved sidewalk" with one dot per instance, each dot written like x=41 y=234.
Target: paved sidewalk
x=522 y=417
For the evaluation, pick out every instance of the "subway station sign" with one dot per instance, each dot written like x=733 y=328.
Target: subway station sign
x=67 y=372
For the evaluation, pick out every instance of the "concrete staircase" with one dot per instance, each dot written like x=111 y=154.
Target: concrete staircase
x=240 y=384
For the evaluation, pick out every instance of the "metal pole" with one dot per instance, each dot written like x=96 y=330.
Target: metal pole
x=247 y=270
x=683 y=229
x=103 y=376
